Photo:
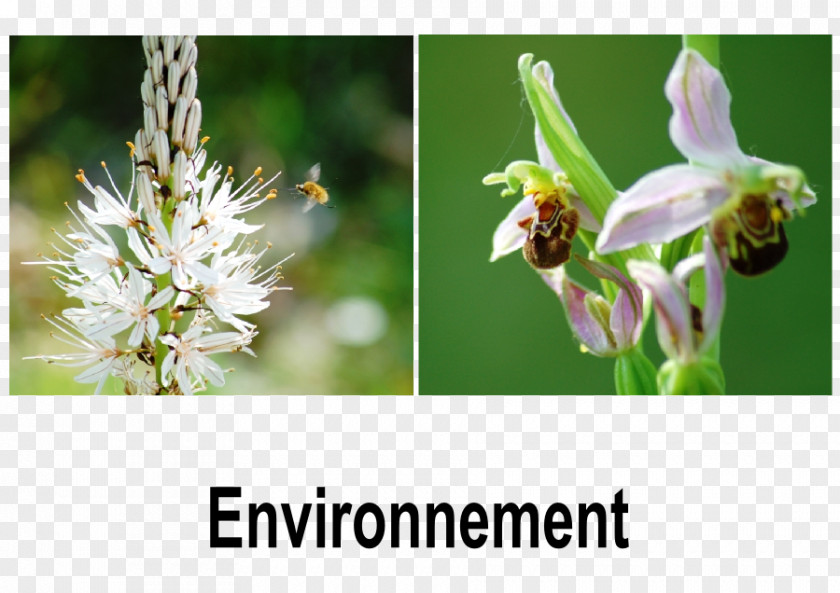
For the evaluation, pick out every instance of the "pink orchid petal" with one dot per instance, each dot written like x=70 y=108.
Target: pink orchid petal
x=588 y=222
x=627 y=313
x=626 y=320
x=700 y=125
x=588 y=330
x=715 y=296
x=673 y=317
x=608 y=272
x=509 y=236
x=662 y=206
x=554 y=278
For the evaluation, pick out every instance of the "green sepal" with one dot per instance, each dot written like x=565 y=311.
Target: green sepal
x=704 y=377
x=634 y=374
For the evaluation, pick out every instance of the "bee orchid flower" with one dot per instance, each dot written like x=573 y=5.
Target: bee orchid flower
x=546 y=219
x=686 y=334
x=603 y=328
x=743 y=199
x=610 y=330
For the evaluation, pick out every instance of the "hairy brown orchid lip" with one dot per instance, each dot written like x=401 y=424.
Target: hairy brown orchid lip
x=550 y=232
x=752 y=234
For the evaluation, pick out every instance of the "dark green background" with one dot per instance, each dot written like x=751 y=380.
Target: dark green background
x=277 y=102
x=496 y=328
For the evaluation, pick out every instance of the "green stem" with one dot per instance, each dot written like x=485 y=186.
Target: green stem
x=163 y=315
x=676 y=250
x=165 y=319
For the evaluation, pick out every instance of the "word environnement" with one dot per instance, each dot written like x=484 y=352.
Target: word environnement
x=473 y=521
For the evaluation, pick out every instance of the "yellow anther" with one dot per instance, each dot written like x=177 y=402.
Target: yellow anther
x=230 y=171
x=268 y=244
x=132 y=149
x=776 y=214
x=257 y=171
x=80 y=177
x=102 y=163
x=583 y=349
x=205 y=139
x=260 y=180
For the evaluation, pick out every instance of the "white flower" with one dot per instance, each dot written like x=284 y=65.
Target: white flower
x=219 y=208
x=188 y=359
x=109 y=210
x=132 y=385
x=183 y=249
x=133 y=309
x=234 y=294
x=101 y=353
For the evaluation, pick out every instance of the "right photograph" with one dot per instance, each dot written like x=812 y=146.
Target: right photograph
x=625 y=215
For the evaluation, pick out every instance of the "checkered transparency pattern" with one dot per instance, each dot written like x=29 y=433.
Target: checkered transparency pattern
x=723 y=494
x=112 y=493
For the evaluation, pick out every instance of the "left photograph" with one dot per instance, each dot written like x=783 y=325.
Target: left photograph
x=211 y=215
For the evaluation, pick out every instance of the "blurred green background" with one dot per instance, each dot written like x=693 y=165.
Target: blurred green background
x=496 y=328
x=282 y=103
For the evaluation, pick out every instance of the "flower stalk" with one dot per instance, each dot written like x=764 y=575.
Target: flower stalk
x=188 y=269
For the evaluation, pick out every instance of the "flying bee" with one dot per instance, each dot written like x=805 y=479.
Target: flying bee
x=314 y=193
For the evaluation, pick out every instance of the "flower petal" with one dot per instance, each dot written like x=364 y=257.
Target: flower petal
x=588 y=222
x=700 y=125
x=715 y=296
x=587 y=329
x=509 y=236
x=627 y=312
x=673 y=317
x=626 y=320
x=662 y=206
x=544 y=75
